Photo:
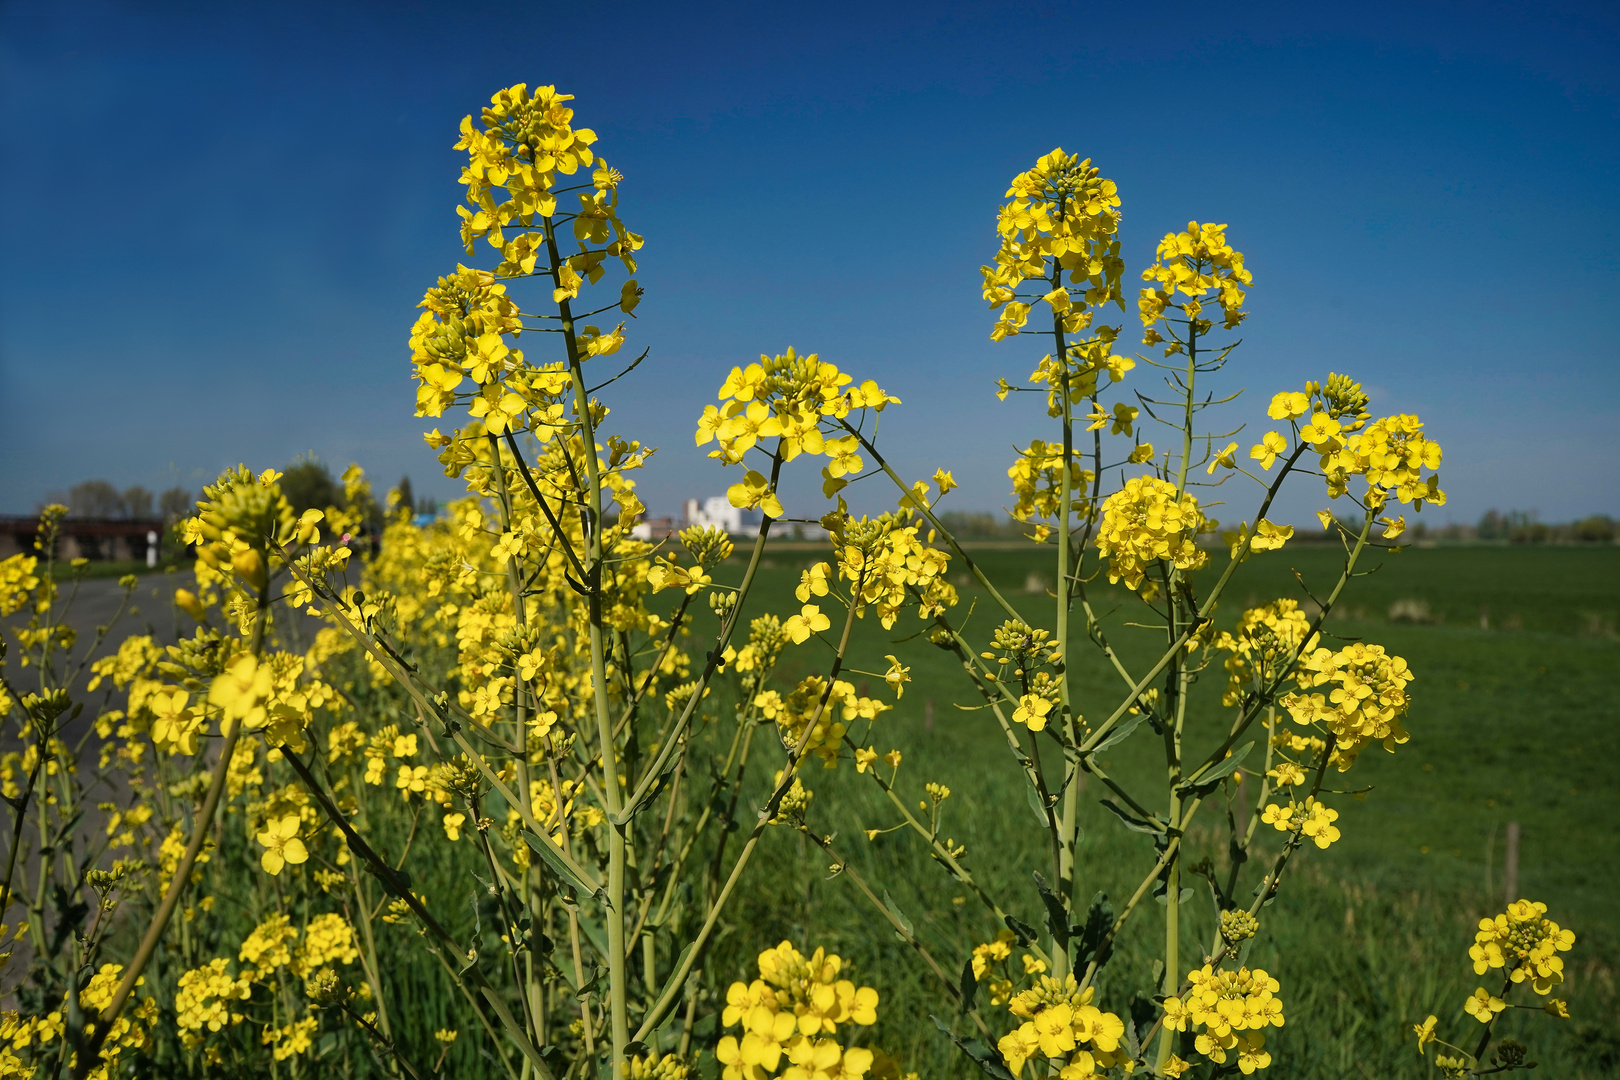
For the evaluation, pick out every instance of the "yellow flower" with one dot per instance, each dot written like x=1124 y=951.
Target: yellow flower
x=809 y=621
x=1019 y=1046
x=240 y=692
x=1252 y=1053
x=1226 y=459
x=411 y=780
x=1145 y=522
x=1322 y=432
x=897 y=676
x=1032 y=710
x=1318 y=823
x=1287 y=774
x=1288 y=405
x=452 y=825
x=755 y=491
x=174 y=725
x=1425 y=1032
x=282 y=845
x=1483 y=1006
x=1266 y=450
x=1524 y=943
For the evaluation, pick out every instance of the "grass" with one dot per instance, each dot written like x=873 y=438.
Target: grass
x=64 y=570
x=1512 y=721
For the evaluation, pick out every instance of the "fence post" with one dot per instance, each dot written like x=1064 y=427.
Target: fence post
x=1510 y=863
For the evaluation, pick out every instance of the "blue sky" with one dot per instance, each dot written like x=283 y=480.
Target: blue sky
x=215 y=221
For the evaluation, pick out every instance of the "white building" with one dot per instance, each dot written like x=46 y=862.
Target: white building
x=717 y=511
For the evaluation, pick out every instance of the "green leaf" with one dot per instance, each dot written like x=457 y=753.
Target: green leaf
x=969 y=986
x=1037 y=804
x=1093 y=934
x=1026 y=933
x=1205 y=782
x=1120 y=733
x=1133 y=822
x=899 y=916
x=547 y=851
x=1057 y=919
x=986 y=1057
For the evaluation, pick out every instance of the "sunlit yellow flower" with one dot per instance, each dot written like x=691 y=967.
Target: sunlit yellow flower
x=282 y=845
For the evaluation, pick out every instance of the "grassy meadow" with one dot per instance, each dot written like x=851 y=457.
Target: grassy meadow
x=1513 y=721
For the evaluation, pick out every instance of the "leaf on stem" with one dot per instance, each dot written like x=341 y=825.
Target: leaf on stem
x=1203 y=783
x=1133 y=822
x=986 y=1057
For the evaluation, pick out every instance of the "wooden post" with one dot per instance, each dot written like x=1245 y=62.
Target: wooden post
x=1510 y=863
x=1490 y=862
x=928 y=716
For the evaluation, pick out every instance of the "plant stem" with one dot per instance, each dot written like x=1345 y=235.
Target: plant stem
x=89 y=1054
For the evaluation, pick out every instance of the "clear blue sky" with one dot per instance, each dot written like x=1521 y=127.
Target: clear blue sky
x=215 y=220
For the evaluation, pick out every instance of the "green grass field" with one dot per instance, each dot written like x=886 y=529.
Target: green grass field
x=1513 y=721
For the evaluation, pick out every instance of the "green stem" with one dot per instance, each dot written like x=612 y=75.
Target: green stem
x=89 y=1055
x=677 y=980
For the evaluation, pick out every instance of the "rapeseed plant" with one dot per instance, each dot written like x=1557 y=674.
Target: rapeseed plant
x=530 y=694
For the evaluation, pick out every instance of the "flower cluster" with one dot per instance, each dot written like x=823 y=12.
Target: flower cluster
x=1061 y=1022
x=786 y=397
x=1332 y=419
x=1310 y=817
x=1392 y=454
x=791 y=1011
x=527 y=140
x=708 y=546
x=1146 y=522
x=655 y=1066
x=792 y=714
x=206 y=997
x=1037 y=478
x=1366 y=701
x=1525 y=943
x=30 y=1035
x=885 y=560
x=1262 y=647
x=1233 y=1009
x=17 y=581
x=1193 y=263
x=1064 y=211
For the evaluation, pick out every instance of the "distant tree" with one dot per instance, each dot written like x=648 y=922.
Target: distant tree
x=1523 y=528
x=405 y=496
x=1493 y=526
x=309 y=484
x=1597 y=529
x=138 y=501
x=177 y=502
x=980 y=525
x=95 y=499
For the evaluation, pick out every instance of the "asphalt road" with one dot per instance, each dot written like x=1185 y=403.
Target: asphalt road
x=94 y=604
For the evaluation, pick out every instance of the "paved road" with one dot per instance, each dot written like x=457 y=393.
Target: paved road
x=150 y=610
